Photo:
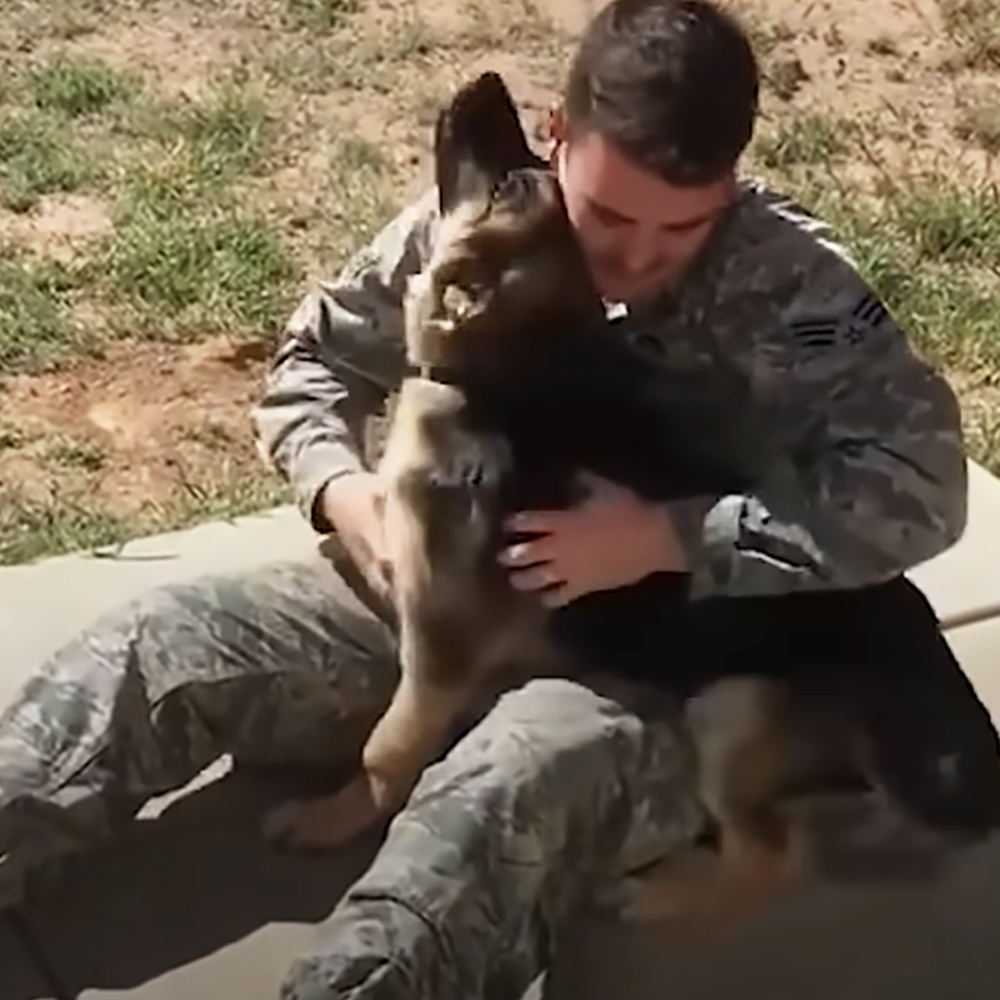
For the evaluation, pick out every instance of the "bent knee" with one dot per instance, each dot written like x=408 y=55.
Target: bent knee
x=558 y=748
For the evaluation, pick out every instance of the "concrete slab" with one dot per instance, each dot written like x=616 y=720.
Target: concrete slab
x=44 y=604
x=891 y=945
x=978 y=650
x=963 y=583
x=190 y=905
x=20 y=978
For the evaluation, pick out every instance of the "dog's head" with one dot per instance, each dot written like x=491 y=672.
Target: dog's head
x=506 y=268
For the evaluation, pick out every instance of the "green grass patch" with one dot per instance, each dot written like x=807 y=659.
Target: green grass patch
x=318 y=15
x=226 y=135
x=72 y=453
x=31 y=529
x=35 y=160
x=948 y=222
x=982 y=438
x=76 y=87
x=804 y=140
x=35 y=331
x=360 y=178
x=190 y=262
x=11 y=437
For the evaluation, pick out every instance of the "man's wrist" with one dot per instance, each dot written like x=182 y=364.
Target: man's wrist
x=325 y=505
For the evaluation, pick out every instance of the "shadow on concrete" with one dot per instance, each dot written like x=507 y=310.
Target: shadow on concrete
x=928 y=942
x=178 y=888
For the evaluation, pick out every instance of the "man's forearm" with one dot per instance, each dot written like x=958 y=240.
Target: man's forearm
x=746 y=545
x=341 y=355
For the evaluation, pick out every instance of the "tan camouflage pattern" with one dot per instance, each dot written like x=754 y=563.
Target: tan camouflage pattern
x=558 y=783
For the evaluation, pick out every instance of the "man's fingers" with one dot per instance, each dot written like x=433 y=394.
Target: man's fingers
x=541 y=522
x=523 y=554
x=557 y=597
x=536 y=578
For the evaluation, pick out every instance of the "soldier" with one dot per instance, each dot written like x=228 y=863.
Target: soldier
x=558 y=782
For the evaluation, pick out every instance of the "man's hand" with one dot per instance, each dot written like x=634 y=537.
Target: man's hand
x=611 y=540
x=354 y=505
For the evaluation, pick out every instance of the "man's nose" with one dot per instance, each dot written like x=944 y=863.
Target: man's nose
x=641 y=251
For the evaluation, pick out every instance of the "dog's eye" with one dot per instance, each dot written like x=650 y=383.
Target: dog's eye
x=514 y=187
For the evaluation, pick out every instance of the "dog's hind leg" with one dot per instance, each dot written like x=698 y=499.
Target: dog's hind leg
x=744 y=753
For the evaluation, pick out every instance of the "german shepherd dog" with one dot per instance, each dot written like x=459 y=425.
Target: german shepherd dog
x=517 y=380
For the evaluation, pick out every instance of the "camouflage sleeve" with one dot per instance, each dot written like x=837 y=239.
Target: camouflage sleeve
x=341 y=354
x=871 y=478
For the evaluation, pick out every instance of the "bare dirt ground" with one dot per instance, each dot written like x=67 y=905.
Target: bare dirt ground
x=172 y=174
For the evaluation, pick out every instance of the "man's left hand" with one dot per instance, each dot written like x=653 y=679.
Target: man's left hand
x=612 y=539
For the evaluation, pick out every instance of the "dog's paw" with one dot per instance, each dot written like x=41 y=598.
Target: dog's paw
x=645 y=900
x=644 y=897
x=323 y=824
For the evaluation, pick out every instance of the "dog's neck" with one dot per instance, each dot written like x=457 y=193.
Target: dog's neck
x=428 y=372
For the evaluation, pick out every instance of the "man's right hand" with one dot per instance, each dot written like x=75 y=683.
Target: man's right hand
x=354 y=505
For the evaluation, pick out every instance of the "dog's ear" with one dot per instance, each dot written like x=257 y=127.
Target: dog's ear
x=478 y=140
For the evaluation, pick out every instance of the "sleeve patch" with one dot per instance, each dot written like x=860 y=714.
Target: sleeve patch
x=820 y=333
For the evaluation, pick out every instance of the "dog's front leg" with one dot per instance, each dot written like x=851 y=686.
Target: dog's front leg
x=412 y=732
x=414 y=729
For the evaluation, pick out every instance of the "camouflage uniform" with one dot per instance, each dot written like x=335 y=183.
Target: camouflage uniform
x=559 y=782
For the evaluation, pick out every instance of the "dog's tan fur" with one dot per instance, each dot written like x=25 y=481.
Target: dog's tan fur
x=463 y=629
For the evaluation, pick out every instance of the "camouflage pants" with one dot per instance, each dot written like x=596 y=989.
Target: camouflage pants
x=499 y=843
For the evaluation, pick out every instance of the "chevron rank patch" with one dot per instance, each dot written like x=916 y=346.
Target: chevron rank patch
x=824 y=332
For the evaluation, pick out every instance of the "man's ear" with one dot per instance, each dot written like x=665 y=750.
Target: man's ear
x=556 y=132
x=556 y=124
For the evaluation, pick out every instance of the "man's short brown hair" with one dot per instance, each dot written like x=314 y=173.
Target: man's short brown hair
x=673 y=84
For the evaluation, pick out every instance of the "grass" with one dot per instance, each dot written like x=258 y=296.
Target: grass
x=974 y=28
x=72 y=453
x=77 y=87
x=979 y=118
x=36 y=160
x=359 y=174
x=31 y=528
x=35 y=331
x=947 y=222
x=318 y=15
x=804 y=140
x=225 y=135
x=189 y=261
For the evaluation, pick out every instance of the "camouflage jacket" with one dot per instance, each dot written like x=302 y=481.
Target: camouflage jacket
x=871 y=478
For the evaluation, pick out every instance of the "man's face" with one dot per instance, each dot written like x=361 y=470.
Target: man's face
x=638 y=231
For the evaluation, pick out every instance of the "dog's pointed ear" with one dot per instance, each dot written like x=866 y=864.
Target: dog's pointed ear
x=478 y=140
